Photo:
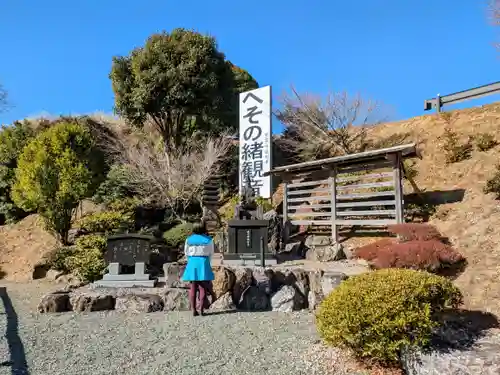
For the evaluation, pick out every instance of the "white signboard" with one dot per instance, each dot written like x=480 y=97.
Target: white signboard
x=255 y=140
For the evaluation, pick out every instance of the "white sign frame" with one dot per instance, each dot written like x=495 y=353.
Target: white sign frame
x=255 y=143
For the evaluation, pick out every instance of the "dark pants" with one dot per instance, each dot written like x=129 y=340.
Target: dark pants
x=199 y=292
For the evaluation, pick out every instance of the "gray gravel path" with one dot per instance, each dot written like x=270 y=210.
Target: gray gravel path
x=159 y=343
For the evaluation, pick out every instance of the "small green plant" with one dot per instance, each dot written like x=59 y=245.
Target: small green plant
x=493 y=184
x=87 y=260
x=57 y=259
x=379 y=313
x=106 y=222
x=178 y=234
x=485 y=141
x=410 y=170
x=455 y=151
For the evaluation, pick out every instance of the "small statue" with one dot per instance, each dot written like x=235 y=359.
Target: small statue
x=247 y=203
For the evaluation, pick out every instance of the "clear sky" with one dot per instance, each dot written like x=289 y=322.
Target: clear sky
x=56 y=55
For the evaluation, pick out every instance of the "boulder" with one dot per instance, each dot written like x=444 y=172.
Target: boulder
x=224 y=303
x=243 y=279
x=315 y=240
x=224 y=281
x=321 y=284
x=139 y=303
x=53 y=275
x=263 y=279
x=327 y=253
x=254 y=299
x=173 y=275
x=55 y=302
x=287 y=299
x=296 y=277
x=176 y=299
x=92 y=302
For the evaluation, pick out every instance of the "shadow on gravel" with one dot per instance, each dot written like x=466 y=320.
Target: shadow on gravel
x=17 y=361
x=462 y=328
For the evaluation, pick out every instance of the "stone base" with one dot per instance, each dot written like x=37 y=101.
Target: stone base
x=131 y=277
x=124 y=283
x=247 y=262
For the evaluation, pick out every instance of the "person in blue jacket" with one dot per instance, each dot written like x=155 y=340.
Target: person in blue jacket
x=199 y=248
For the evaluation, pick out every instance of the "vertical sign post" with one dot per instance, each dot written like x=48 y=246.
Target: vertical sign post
x=255 y=140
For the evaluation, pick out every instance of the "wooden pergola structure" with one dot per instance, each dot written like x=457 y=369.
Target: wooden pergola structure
x=363 y=189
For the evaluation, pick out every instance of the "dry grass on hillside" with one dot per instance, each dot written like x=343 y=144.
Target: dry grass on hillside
x=471 y=224
x=22 y=246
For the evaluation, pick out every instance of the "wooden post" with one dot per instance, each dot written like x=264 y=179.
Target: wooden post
x=285 y=203
x=333 y=202
x=398 y=188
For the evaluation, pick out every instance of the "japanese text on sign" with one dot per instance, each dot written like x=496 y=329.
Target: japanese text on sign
x=255 y=140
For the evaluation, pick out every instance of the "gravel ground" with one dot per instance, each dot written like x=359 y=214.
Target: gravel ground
x=157 y=343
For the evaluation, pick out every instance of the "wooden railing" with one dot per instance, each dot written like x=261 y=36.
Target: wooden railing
x=364 y=195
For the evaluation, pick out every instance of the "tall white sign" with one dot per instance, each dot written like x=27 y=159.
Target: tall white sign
x=255 y=140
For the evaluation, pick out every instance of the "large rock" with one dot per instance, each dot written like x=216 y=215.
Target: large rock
x=296 y=277
x=263 y=279
x=173 y=275
x=243 y=279
x=315 y=240
x=254 y=299
x=287 y=299
x=329 y=253
x=92 y=302
x=224 y=281
x=224 y=303
x=55 y=302
x=321 y=284
x=139 y=303
x=176 y=299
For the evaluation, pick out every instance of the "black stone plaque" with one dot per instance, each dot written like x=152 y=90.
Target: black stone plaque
x=127 y=249
x=246 y=239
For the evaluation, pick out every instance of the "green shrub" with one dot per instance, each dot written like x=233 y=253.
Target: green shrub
x=55 y=171
x=106 y=222
x=58 y=258
x=485 y=141
x=379 y=313
x=493 y=184
x=114 y=188
x=125 y=205
x=455 y=151
x=178 y=234
x=87 y=260
x=12 y=141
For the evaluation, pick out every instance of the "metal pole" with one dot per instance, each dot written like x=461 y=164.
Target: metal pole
x=262 y=252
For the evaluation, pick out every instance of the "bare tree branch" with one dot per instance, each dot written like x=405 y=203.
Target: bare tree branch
x=162 y=176
x=335 y=125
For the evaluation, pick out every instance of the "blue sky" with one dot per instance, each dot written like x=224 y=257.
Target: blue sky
x=56 y=55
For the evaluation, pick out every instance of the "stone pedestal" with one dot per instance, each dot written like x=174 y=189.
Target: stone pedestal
x=115 y=279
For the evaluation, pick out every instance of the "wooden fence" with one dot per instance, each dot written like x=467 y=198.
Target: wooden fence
x=368 y=194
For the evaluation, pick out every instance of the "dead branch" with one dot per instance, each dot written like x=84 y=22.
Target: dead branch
x=172 y=179
x=335 y=125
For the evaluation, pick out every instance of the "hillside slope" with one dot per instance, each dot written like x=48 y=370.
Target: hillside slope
x=471 y=223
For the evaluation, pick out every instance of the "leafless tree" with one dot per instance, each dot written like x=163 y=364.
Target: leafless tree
x=322 y=127
x=172 y=179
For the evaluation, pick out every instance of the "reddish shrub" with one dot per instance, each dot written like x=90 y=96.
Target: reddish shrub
x=433 y=256
x=372 y=250
x=415 y=232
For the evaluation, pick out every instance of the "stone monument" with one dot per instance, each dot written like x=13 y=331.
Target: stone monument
x=248 y=233
x=124 y=253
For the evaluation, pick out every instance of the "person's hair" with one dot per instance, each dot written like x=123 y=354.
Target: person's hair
x=199 y=228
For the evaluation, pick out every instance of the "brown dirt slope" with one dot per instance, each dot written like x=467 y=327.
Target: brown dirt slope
x=22 y=246
x=473 y=223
